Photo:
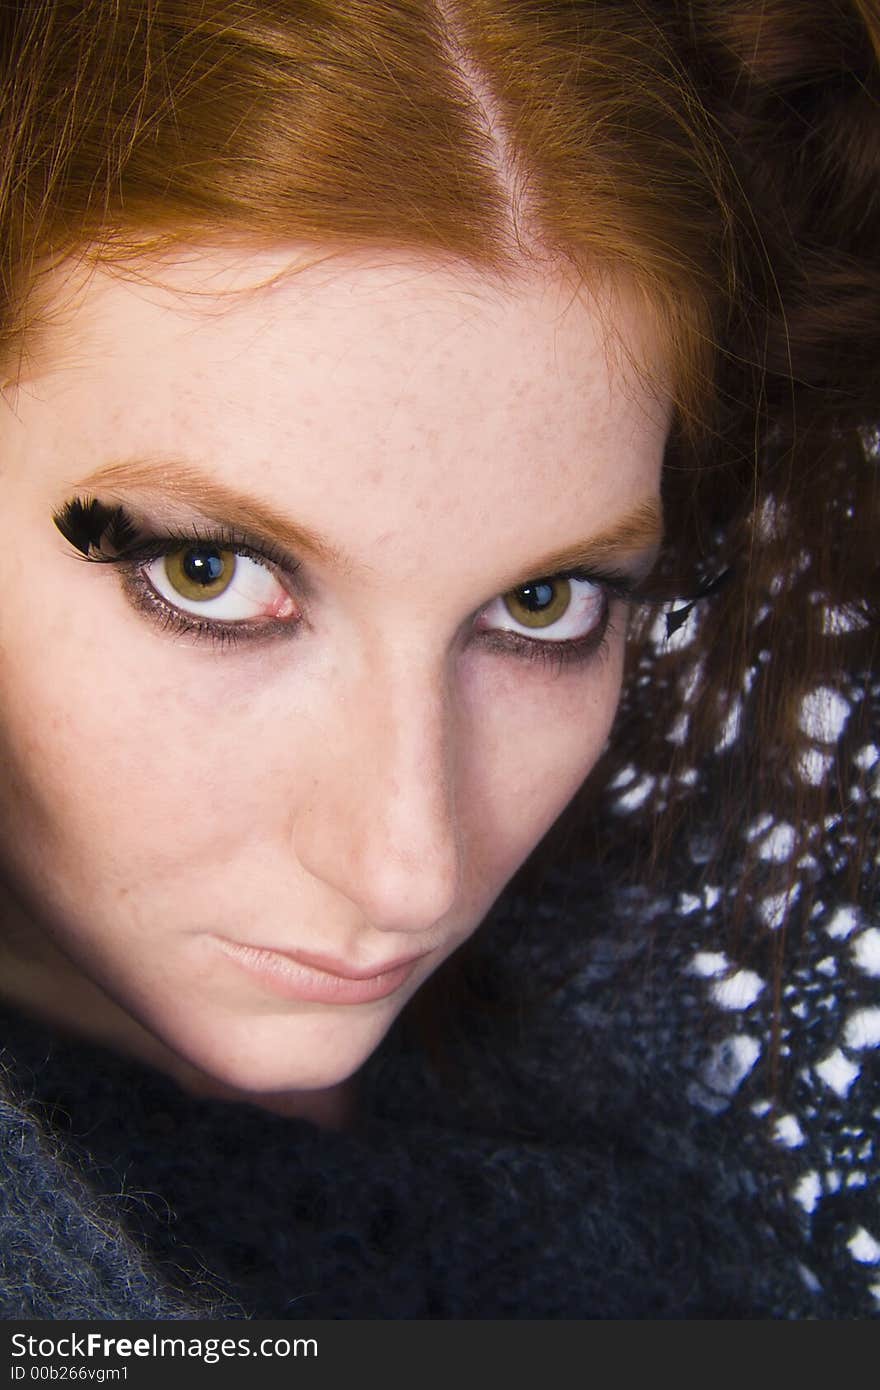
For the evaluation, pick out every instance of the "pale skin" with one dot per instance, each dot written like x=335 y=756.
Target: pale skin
x=361 y=782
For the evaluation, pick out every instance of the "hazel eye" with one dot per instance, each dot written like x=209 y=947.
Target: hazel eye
x=218 y=583
x=565 y=608
x=200 y=572
x=539 y=604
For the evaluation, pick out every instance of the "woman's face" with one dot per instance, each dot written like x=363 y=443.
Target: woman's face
x=314 y=741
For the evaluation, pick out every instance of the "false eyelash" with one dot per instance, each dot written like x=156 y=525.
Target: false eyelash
x=108 y=535
x=88 y=524
x=679 y=616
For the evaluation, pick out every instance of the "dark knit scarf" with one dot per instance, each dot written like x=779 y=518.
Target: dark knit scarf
x=582 y=1157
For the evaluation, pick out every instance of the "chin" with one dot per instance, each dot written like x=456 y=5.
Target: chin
x=267 y=1056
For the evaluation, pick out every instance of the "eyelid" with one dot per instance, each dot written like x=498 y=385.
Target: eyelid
x=151 y=540
x=172 y=614
x=618 y=584
x=125 y=534
x=135 y=543
x=151 y=544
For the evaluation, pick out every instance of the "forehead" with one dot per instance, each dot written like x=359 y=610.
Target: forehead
x=422 y=390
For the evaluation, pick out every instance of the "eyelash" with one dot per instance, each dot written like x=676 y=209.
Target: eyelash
x=145 y=598
x=87 y=525
x=575 y=651
x=614 y=588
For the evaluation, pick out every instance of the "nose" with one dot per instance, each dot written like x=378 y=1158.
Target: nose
x=381 y=826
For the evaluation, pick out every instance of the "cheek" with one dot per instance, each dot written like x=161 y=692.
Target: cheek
x=117 y=770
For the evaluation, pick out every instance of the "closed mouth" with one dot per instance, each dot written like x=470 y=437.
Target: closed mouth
x=308 y=977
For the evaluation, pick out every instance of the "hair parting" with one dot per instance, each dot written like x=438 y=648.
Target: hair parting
x=720 y=162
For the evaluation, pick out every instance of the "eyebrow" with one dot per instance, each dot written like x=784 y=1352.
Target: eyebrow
x=634 y=538
x=194 y=488
x=639 y=532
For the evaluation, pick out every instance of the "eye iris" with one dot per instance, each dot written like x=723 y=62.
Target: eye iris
x=200 y=571
x=540 y=603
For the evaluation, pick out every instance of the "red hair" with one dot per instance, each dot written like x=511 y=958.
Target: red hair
x=724 y=158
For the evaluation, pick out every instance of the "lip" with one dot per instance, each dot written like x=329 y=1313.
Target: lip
x=318 y=979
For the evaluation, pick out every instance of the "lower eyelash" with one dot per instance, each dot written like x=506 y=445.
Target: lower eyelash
x=144 y=599
x=565 y=654
x=556 y=655
x=87 y=523
x=108 y=535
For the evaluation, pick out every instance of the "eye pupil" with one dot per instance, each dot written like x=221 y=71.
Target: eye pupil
x=200 y=572
x=202 y=565
x=536 y=597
